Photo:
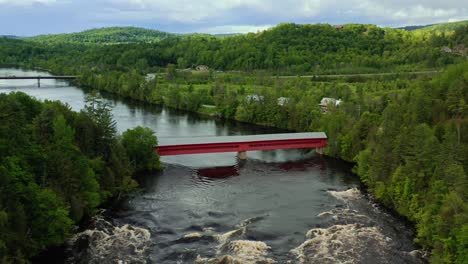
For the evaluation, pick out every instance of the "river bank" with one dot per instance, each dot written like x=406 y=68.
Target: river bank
x=369 y=194
x=199 y=207
x=341 y=139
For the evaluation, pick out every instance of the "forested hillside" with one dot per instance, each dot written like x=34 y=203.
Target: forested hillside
x=285 y=49
x=107 y=35
x=406 y=133
x=410 y=28
x=56 y=167
x=444 y=27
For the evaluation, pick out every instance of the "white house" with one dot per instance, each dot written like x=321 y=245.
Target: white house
x=254 y=98
x=150 y=77
x=202 y=68
x=326 y=102
x=283 y=101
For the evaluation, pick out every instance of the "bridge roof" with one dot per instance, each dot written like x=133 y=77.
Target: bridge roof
x=236 y=139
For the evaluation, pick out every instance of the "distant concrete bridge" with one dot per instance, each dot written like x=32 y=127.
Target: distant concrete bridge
x=241 y=144
x=38 y=78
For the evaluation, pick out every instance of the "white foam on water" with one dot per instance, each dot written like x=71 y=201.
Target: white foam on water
x=226 y=236
x=112 y=244
x=327 y=213
x=419 y=254
x=347 y=195
x=208 y=229
x=339 y=244
x=346 y=215
x=240 y=252
x=193 y=236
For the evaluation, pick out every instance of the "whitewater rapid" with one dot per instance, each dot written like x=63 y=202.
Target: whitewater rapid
x=351 y=237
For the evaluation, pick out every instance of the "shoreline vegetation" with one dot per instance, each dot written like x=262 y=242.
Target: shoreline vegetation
x=415 y=163
x=58 y=166
x=406 y=133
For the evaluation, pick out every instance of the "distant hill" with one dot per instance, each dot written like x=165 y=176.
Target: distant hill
x=443 y=26
x=226 y=34
x=9 y=36
x=411 y=28
x=113 y=35
x=450 y=26
x=107 y=35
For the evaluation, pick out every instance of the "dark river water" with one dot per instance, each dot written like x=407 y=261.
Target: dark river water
x=276 y=207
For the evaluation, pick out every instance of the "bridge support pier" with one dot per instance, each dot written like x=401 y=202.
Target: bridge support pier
x=319 y=150
x=242 y=155
x=38 y=83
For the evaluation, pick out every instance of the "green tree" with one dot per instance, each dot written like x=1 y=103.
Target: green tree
x=171 y=72
x=139 y=143
x=99 y=111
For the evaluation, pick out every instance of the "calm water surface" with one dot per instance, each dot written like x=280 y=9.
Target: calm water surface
x=276 y=207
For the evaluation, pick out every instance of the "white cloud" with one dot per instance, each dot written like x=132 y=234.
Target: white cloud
x=412 y=11
x=216 y=16
x=27 y=2
x=205 y=11
x=196 y=11
x=455 y=19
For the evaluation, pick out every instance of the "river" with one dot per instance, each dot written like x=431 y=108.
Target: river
x=276 y=207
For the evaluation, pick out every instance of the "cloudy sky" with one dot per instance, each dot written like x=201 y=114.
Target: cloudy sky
x=32 y=17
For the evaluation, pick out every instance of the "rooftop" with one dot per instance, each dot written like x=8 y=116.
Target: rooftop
x=236 y=139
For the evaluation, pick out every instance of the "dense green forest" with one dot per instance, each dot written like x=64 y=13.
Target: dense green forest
x=57 y=166
x=112 y=35
x=285 y=49
x=406 y=133
x=107 y=35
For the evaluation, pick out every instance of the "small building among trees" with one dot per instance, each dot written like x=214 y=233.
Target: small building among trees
x=254 y=98
x=202 y=68
x=329 y=103
x=150 y=76
x=459 y=49
x=283 y=101
x=446 y=49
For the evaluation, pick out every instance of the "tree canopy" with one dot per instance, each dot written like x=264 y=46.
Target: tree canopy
x=56 y=167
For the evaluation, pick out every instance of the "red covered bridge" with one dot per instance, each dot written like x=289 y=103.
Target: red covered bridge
x=241 y=144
